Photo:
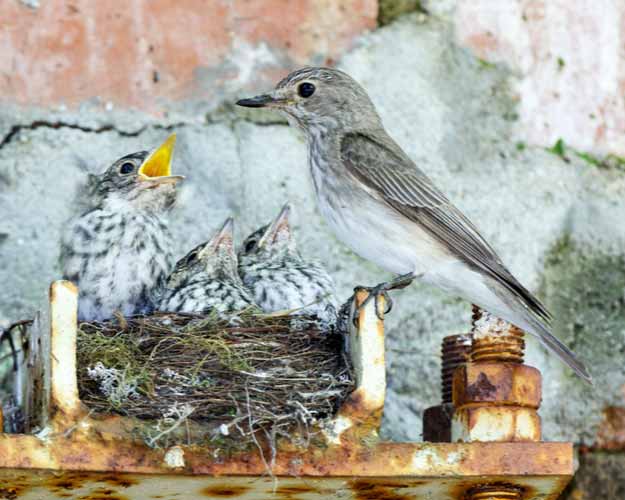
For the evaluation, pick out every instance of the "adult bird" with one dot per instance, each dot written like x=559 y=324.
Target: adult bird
x=206 y=280
x=118 y=249
x=280 y=278
x=386 y=209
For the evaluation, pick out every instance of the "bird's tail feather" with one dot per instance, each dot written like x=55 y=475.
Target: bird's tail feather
x=543 y=332
x=536 y=319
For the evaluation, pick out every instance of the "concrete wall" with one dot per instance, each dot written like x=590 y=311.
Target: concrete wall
x=468 y=89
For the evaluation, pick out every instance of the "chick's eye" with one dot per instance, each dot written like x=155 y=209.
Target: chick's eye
x=306 y=89
x=191 y=256
x=249 y=246
x=126 y=168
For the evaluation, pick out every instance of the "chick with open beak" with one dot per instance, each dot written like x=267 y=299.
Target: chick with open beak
x=206 y=279
x=279 y=278
x=118 y=249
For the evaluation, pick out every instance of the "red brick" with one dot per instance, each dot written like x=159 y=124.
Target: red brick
x=69 y=51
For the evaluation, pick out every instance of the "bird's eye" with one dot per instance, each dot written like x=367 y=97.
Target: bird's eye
x=306 y=89
x=249 y=246
x=126 y=168
x=191 y=256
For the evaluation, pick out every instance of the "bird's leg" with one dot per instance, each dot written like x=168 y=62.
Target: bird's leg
x=382 y=289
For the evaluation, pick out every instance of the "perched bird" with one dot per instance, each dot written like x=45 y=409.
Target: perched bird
x=280 y=278
x=386 y=209
x=118 y=250
x=206 y=279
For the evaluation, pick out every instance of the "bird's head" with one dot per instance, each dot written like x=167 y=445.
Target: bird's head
x=322 y=98
x=142 y=179
x=212 y=259
x=274 y=240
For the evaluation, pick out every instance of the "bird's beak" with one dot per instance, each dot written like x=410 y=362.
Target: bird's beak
x=280 y=225
x=156 y=168
x=261 y=101
x=225 y=236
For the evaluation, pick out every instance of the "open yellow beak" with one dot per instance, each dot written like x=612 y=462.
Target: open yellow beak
x=157 y=166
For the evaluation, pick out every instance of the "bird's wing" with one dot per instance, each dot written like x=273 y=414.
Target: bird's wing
x=381 y=165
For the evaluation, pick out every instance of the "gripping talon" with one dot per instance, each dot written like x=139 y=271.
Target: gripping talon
x=381 y=290
x=389 y=303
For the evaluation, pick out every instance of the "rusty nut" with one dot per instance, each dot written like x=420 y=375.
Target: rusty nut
x=497 y=383
x=495 y=423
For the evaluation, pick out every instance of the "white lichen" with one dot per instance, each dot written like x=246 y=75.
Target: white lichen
x=117 y=385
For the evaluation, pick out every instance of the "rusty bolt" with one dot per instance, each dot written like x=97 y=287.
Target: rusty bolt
x=495 y=340
x=455 y=352
x=496 y=397
x=494 y=492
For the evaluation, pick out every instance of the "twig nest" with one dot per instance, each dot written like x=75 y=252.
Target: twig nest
x=233 y=377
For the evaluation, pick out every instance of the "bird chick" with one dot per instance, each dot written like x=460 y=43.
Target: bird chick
x=206 y=279
x=280 y=278
x=118 y=250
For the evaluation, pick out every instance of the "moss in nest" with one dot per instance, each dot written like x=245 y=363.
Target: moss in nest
x=224 y=379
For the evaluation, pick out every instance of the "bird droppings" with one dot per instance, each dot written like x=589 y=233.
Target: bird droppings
x=212 y=379
x=175 y=457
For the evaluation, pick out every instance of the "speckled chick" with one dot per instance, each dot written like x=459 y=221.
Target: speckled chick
x=118 y=250
x=206 y=279
x=278 y=276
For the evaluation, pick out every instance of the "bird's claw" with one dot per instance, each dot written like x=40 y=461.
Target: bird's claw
x=378 y=291
x=374 y=294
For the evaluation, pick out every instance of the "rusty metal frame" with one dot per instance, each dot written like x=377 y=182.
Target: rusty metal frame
x=76 y=455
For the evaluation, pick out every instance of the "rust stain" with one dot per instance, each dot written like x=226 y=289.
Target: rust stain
x=366 y=419
x=11 y=492
x=121 y=481
x=499 y=383
x=611 y=432
x=103 y=496
x=224 y=491
x=67 y=481
x=481 y=389
x=295 y=490
x=364 y=489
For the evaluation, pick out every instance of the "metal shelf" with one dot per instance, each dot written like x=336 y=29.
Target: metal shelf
x=83 y=457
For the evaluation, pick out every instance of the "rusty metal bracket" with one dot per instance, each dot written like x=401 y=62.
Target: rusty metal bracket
x=78 y=455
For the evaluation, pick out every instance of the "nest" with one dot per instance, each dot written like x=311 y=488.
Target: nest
x=233 y=377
